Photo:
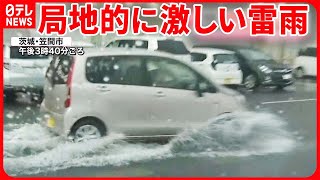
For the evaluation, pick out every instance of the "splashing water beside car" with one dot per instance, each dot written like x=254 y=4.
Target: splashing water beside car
x=229 y=135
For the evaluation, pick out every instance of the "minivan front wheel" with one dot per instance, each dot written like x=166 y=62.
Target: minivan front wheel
x=250 y=81
x=87 y=129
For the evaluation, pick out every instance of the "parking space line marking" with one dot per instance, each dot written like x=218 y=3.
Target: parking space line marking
x=288 y=101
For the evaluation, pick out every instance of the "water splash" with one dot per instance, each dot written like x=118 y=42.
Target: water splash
x=238 y=134
x=31 y=149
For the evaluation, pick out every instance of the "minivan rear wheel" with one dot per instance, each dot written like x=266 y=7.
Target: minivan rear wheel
x=87 y=129
x=250 y=81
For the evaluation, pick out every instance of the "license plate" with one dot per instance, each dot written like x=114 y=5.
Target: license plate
x=227 y=80
x=287 y=76
x=51 y=122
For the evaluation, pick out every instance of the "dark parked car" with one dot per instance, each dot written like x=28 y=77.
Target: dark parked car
x=259 y=68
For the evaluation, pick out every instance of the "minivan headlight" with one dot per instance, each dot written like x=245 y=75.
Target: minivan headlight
x=265 y=69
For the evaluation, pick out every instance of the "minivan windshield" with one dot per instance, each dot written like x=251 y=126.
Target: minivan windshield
x=254 y=55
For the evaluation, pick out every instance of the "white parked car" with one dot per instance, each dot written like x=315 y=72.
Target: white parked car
x=175 y=46
x=221 y=64
x=23 y=72
x=137 y=92
x=306 y=62
x=27 y=73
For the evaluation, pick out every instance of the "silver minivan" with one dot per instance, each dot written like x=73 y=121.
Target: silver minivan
x=136 y=92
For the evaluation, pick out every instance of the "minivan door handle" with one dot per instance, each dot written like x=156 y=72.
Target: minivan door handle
x=103 y=88
x=160 y=94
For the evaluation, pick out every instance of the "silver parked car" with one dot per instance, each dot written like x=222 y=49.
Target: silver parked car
x=136 y=92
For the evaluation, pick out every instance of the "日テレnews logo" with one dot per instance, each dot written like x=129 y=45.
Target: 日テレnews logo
x=20 y=15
